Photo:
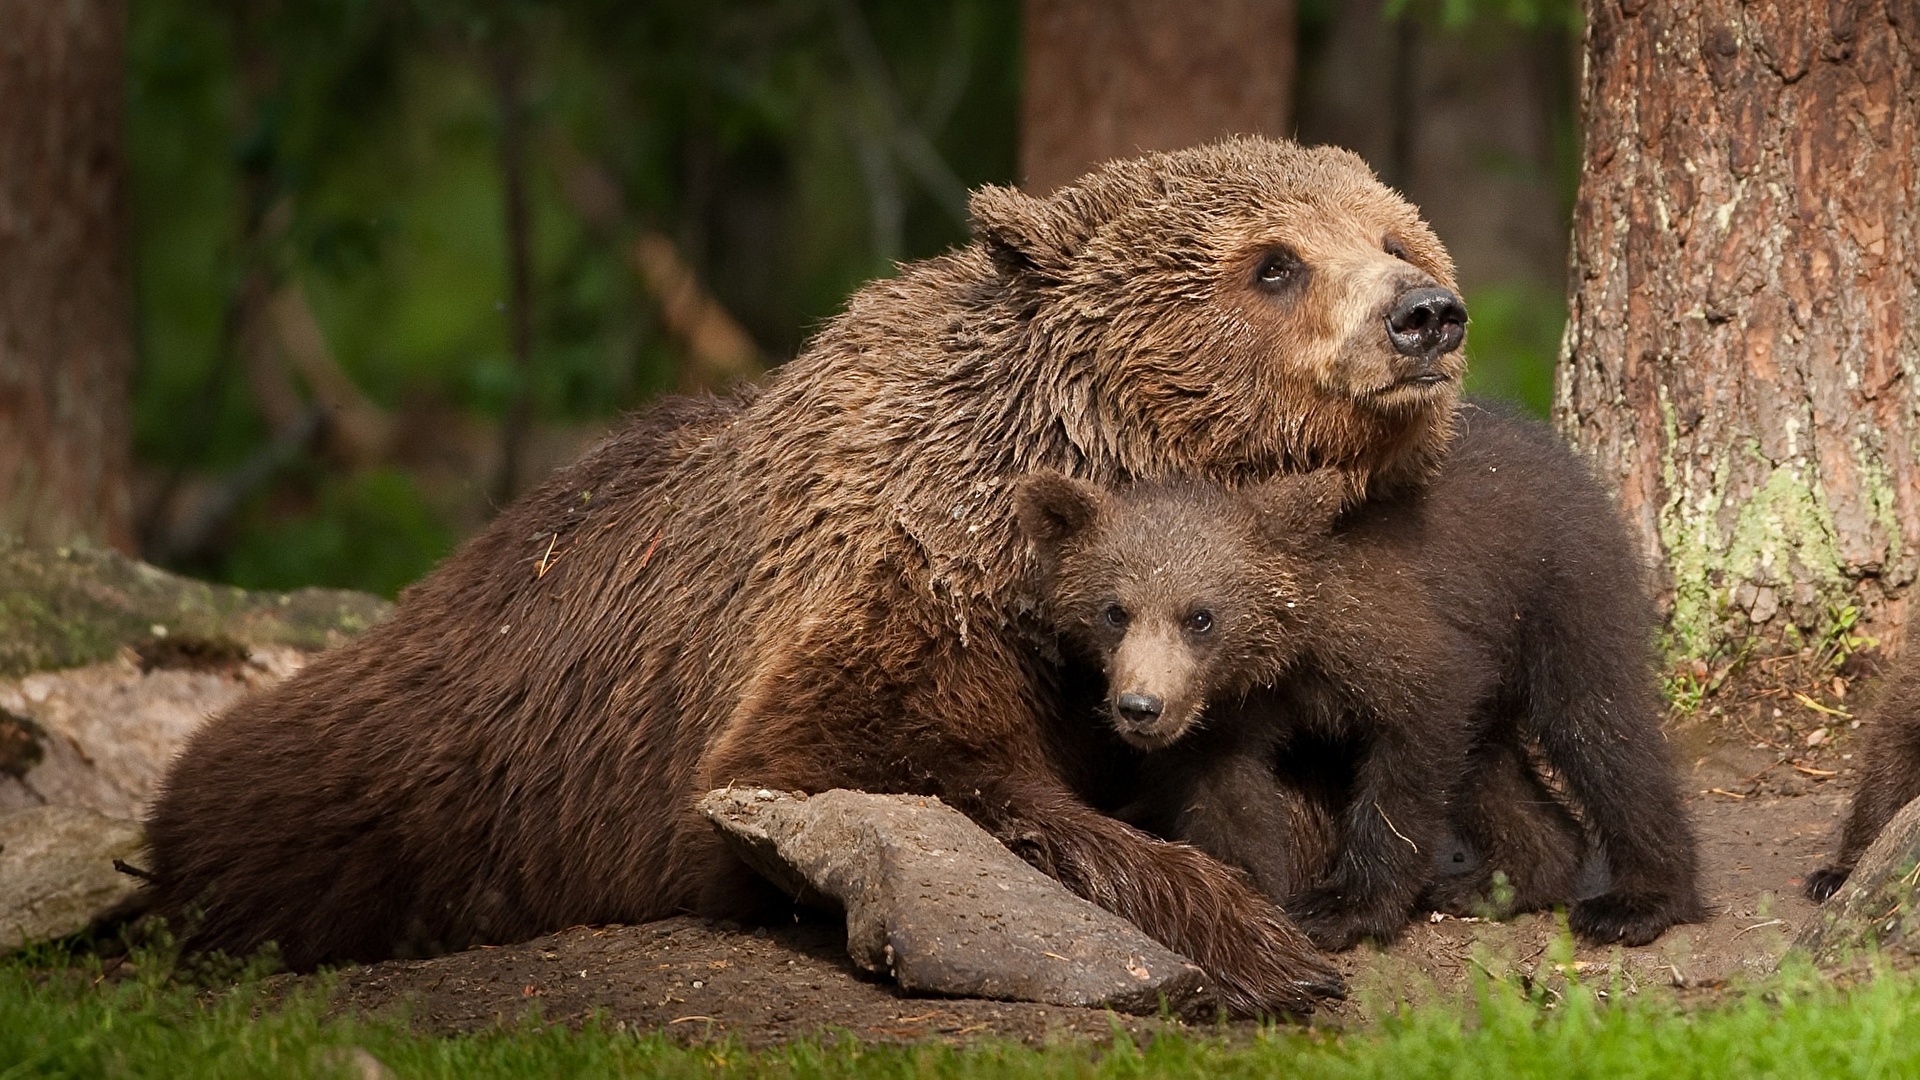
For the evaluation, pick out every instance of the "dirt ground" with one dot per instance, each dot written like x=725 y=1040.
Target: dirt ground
x=1765 y=817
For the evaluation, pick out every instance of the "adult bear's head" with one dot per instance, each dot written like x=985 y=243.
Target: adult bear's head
x=1247 y=307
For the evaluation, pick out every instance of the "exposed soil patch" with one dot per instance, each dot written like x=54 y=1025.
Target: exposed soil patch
x=699 y=981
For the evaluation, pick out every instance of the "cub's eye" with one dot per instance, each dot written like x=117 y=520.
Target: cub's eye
x=1200 y=622
x=1278 y=268
x=1393 y=246
x=1115 y=615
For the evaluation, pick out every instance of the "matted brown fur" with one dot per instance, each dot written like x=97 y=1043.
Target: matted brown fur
x=1889 y=770
x=822 y=587
x=1324 y=691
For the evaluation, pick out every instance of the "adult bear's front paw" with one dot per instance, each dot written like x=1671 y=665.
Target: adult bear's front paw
x=1629 y=918
x=1273 y=970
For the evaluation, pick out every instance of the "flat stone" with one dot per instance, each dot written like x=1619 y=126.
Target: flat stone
x=100 y=736
x=57 y=875
x=1876 y=906
x=937 y=903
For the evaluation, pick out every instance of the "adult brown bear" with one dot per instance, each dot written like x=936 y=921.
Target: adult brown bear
x=823 y=586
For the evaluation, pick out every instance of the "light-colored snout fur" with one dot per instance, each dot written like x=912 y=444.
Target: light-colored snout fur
x=1155 y=663
x=1363 y=286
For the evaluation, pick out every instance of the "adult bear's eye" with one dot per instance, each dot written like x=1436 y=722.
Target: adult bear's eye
x=1392 y=246
x=1278 y=268
x=1200 y=622
x=1116 y=615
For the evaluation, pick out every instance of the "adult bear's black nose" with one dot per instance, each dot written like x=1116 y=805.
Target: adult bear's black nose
x=1427 y=322
x=1139 y=709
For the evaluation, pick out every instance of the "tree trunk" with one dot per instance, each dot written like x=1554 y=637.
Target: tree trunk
x=66 y=331
x=1113 y=78
x=1740 y=362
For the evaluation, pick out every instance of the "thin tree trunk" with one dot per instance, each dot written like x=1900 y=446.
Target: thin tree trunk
x=1741 y=359
x=1113 y=78
x=66 y=317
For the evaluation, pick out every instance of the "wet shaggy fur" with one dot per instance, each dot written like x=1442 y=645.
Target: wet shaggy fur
x=1889 y=775
x=1343 y=704
x=823 y=587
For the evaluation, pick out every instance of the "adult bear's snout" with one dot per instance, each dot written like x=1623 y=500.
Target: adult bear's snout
x=1427 y=322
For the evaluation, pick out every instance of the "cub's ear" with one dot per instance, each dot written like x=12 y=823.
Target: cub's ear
x=1053 y=509
x=1022 y=233
x=1301 y=506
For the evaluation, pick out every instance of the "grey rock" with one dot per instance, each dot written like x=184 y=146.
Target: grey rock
x=1876 y=906
x=57 y=875
x=937 y=903
x=108 y=664
x=101 y=736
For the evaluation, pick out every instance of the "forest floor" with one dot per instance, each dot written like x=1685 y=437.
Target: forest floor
x=1765 y=817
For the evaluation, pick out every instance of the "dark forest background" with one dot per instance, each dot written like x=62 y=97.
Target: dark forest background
x=395 y=259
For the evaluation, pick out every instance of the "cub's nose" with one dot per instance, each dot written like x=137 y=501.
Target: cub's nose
x=1139 y=709
x=1427 y=322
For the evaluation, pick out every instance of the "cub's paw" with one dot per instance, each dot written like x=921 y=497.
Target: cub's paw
x=1826 y=881
x=1629 y=918
x=1463 y=896
x=1336 y=923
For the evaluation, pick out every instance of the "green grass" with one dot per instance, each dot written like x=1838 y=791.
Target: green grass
x=68 y=1022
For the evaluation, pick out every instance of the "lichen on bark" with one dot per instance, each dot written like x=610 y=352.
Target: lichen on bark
x=1736 y=565
x=1744 y=329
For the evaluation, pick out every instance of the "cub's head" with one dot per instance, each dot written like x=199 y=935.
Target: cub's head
x=1185 y=593
x=1240 y=308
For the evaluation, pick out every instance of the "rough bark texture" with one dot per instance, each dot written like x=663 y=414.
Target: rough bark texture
x=66 y=344
x=1746 y=304
x=1111 y=78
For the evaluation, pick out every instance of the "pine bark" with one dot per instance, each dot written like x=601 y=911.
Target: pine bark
x=66 y=331
x=1740 y=362
x=1114 y=78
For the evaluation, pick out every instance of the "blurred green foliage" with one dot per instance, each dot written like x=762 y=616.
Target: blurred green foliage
x=372 y=531
x=1512 y=340
x=1456 y=14
x=352 y=146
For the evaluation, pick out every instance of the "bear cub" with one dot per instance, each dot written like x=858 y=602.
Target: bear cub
x=1345 y=702
x=1889 y=774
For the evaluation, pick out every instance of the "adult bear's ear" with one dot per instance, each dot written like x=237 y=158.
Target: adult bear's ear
x=1021 y=233
x=1053 y=509
x=1301 y=506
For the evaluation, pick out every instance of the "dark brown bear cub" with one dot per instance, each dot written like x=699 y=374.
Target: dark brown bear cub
x=1890 y=773
x=1325 y=697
